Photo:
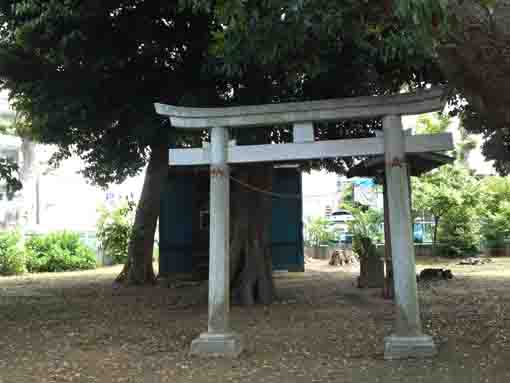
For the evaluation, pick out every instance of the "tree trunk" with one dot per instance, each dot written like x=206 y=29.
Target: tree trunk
x=434 y=240
x=365 y=250
x=474 y=57
x=26 y=215
x=138 y=269
x=250 y=254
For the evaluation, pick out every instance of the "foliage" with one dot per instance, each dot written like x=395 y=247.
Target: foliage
x=9 y=170
x=459 y=231
x=114 y=230
x=317 y=231
x=12 y=256
x=495 y=210
x=85 y=81
x=366 y=229
x=9 y=173
x=6 y=122
x=451 y=196
x=436 y=123
x=285 y=50
x=367 y=223
x=471 y=41
x=347 y=197
x=465 y=146
x=433 y=123
x=59 y=251
x=269 y=33
x=85 y=75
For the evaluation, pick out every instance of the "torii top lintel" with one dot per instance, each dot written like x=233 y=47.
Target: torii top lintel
x=294 y=112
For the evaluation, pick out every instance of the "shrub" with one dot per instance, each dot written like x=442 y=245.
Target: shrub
x=114 y=229
x=459 y=233
x=59 y=251
x=318 y=232
x=12 y=256
x=367 y=230
x=495 y=211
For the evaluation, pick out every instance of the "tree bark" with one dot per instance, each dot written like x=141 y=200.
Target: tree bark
x=434 y=240
x=365 y=249
x=138 y=269
x=475 y=56
x=26 y=215
x=250 y=254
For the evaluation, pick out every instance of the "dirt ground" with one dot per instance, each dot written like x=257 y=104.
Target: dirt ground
x=79 y=327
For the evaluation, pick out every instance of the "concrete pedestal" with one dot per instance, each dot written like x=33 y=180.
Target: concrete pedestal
x=404 y=347
x=225 y=345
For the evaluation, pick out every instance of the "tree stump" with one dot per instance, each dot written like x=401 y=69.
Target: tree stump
x=340 y=257
x=371 y=272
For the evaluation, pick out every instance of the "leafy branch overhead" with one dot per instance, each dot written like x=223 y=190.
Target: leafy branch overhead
x=87 y=83
x=9 y=173
x=85 y=76
x=471 y=39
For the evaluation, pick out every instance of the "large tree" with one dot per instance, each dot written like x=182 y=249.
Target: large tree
x=471 y=40
x=85 y=76
x=293 y=51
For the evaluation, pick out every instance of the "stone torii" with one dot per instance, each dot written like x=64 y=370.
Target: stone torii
x=407 y=340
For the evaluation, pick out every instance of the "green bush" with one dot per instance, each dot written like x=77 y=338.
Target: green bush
x=367 y=223
x=363 y=246
x=495 y=211
x=12 y=256
x=317 y=231
x=367 y=230
x=59 y=251
x=459 y=233
x=114 y=229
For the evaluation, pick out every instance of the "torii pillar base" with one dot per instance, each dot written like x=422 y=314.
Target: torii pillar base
x=405 y=347
x=221 y=345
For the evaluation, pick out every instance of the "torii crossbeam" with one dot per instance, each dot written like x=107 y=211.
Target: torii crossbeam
x=408 y=339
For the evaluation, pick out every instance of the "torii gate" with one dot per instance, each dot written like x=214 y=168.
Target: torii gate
x=408 y=339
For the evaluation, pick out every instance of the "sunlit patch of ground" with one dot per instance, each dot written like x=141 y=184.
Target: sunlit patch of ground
x=80 y=327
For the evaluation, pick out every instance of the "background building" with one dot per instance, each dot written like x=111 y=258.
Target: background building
x=53 y=198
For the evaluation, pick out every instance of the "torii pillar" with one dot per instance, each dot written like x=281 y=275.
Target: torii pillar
x=219 y=340
x=408 y=340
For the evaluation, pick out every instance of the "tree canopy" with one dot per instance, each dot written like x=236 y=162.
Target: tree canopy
x=433 y=124
x=291 y=51
x=86 y=74
x=471 y=39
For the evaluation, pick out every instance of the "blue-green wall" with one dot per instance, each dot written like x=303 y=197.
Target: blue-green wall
x=176 y=223
x=175 y=226
x=286 y=228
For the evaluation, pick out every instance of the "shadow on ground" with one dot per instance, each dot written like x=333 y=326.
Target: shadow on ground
x=79 y=327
